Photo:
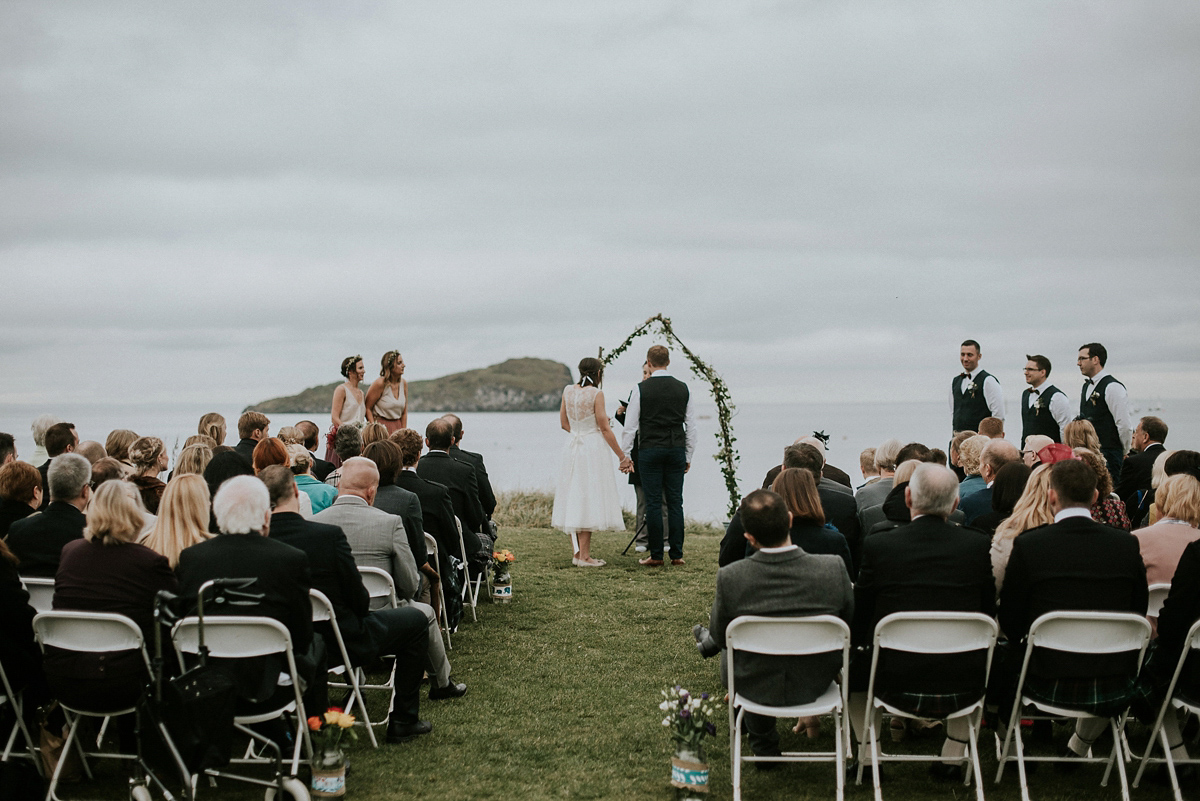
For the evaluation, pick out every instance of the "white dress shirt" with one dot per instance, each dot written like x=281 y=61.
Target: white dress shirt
x=1117 y=398
x=993 y=395
x=780 y=549
x=1060 y=407
x=634 y=410
x=1072 y=511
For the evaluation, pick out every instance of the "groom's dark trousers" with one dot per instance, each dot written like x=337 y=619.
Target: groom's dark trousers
x=662 y=472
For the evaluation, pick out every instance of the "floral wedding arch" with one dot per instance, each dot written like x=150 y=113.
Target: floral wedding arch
x=726 y=455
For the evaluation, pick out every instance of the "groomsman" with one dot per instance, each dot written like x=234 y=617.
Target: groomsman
x=1104 y=403
x=1044 y=407
x=974 y=393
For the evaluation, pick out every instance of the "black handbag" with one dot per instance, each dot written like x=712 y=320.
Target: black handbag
x=197 y=711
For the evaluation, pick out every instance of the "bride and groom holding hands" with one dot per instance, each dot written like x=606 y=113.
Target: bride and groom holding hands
x=660 y=421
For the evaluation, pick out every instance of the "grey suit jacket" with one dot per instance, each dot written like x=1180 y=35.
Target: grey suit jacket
x=407 y=506
x=377 y=539
x=789 y=584
x=829 y=483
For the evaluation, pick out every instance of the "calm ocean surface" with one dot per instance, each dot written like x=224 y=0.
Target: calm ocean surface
x=523 y=449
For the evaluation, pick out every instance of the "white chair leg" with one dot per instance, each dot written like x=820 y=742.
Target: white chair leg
x=51 y=794
x=1120 y=759
x=1020 y=745
x=976 y=769
x=876 y=762
x=1170 y=764
x=1154 y=732
x=840 y=765
x=737 y=756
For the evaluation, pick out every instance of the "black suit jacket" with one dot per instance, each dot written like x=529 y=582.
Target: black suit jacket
x=487 y=498
x=459 y=478
x=333 y=571
x=842 y=511
x=321 y=468
x=928 y=565
x=19 y=654
x=1076 y=564
x=38 y=540
x=437 y=512
x=44 y=469
x=245 y=449
x=1135 y=477
x=10 y=512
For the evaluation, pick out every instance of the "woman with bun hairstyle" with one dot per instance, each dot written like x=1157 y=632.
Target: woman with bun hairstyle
x=212 y=425
x=349 y=405
x=387 y=398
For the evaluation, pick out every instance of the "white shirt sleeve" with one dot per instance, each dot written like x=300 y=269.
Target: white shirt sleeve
x=691 y=435
x=1060 y=410
x=1117 y=398
x=632 y=413
x=994 y=395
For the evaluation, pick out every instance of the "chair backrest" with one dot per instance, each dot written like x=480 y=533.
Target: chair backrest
x=430 y=543
x=379 y=584
x=232 y=636
x=41 y=592
x=1158 y=594
x=1090 y=632
x=936 y=632
x=89 y=632
x=322 y=609
x=787 y=636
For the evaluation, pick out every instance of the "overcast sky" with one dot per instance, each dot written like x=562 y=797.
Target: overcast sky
x=216 y=202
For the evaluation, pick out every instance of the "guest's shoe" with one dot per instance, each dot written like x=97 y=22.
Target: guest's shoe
x=451 y=690
x=398 y=732
x=941 y=772
x=650 y=561
x=641 y=549
x=678 y=562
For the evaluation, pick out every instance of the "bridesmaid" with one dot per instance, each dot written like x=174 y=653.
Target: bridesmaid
x=348 y=403
x=387 y=399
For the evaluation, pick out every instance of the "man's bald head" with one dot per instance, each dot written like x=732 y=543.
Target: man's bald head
x=360 y=477
x=996 y=453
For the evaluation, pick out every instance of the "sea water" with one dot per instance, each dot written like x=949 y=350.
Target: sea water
x=523 y=450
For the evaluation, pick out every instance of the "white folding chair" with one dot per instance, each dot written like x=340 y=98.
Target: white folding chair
x=1158 y=594
x=87 y=632
x=470 y=587
x=9 y=697
x=930 y=633
x=41 y=592
x=431 y=547
x=1169 y=705
x=244 y=637
x=789 y=636
x=382 y=589
x=1078 y=633
x=322 y=612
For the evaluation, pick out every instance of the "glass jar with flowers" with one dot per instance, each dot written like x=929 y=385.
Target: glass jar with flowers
x=690 y=719
x=329 y=760
x=501 y=577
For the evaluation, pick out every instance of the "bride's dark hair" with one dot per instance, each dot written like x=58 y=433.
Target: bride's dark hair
x=591 y=371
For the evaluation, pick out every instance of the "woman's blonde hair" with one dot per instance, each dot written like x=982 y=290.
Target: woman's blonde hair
x=1158 y=471
x=193 y=459
x=115 y=514
x=904 y=471
x=118 y=442
x=1179 y=497
x=182 y=517
x=799 y=491
x=969 y=452
x=300 y=460
x=373 y=432
x=212 y=425
x=144 y=452
x=290 y=435
x=1081 y=434
x=200 y=439
x=1032 y=508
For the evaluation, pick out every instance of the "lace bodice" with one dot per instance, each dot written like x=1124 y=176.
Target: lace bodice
x=581 y=408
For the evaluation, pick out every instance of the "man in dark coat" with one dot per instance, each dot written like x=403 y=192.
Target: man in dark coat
x=1134 y=488
x=253 y=428
x=439 y=466
x=38 y=540
x=487 y=498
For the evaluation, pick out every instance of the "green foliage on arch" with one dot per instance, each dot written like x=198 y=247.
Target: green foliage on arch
x=726 y=455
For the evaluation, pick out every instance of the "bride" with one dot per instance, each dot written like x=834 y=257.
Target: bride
x=586 y=497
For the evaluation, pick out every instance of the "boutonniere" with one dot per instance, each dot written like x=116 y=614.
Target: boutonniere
x=972 y=388
x=1038 y=405
x=1095 y=398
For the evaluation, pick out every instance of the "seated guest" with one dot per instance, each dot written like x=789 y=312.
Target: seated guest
x=1133 y=488
x=91 y=450
x=402 y=503
x=439 y=466
x=1073 y=563
x=182 y=518
x=200 y=439
x=149 y=458
x=38 y=540
x=310 y=437
x=1033 y=444
x=781 y=580
x=38 y=428
x=289 y=435
x=320 y=495
x=402 y=632
x=107 y=571
x=437 y=513
x=8 y=449
x=831 y=478
x=107 y=469
x=487 y=498
x=928 y=565
x=252 y=427
x=970 y=456
x=992 y=427
x=347 y=443
x=280 y=574
x=192 y=460
x=956 y=452
x=20 y=493
x=839 y=506
x=1081 y=434
x=117 y=445
x=1109 y=509
x=60 y=438
x=377 y=539
x=212 y=425
x=223 y=467
x=885 y=460
x=996 y=453
x=1006 y=491
x=19 y=654
x=866 y=465
x=373 y=432
x=1162 y=544
x=1032 y=510
x=270 y=451
x=893 y=511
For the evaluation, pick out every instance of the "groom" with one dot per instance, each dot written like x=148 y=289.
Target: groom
x=661 y=410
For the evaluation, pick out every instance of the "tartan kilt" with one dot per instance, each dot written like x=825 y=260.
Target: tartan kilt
x=930 y=706
x=1105 y=696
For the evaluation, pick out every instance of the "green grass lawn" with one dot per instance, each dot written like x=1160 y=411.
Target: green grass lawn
x=564 y=691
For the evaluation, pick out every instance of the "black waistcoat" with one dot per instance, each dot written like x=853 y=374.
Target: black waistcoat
x=970 y=407
x=1094 y=408
x=664 y=402
x=1039 y=420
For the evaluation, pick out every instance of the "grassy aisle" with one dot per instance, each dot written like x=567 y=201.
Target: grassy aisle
x=564 y=686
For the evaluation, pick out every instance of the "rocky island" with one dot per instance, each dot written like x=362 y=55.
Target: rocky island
x=517 y=385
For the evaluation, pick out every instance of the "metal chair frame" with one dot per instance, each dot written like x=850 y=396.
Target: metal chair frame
x=323 y=612
x=1169 y=703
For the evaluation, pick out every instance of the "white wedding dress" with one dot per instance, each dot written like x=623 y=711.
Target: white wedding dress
x=586 y=495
